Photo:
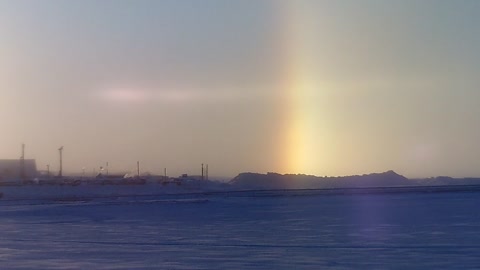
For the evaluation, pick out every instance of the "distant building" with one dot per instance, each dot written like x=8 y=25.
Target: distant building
x=191 y=177
x=11 y=169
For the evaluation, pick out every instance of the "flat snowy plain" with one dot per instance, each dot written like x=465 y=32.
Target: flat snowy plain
x=244 y=230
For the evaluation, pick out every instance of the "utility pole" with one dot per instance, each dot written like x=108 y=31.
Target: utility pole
x=138 y=169
x=22 y=164
x=107 y=168
x=60 y=172
x=202 y=172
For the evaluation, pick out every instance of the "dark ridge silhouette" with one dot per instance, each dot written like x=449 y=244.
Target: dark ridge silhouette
x=300 y=181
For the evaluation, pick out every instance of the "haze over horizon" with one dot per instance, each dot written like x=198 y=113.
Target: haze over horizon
x=301 y=86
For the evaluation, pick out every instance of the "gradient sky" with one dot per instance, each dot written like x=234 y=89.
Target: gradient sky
x=314 y=87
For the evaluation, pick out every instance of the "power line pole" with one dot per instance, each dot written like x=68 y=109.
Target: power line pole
x=60 y=172
x=138 y=169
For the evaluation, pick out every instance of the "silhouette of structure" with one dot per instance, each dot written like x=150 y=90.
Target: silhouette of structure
x=138 y=169
x=11 y=169
x=60 y=172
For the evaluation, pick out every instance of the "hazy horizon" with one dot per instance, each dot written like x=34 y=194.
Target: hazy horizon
x=309 y=87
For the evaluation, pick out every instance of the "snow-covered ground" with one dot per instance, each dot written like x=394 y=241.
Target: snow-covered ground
x=244 y=230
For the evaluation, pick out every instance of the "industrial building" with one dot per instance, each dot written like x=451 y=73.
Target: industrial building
x=17 y=169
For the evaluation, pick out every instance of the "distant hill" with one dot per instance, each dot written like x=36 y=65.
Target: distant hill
x=298 y=181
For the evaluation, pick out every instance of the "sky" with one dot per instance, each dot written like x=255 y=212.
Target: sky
x=311 y=87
